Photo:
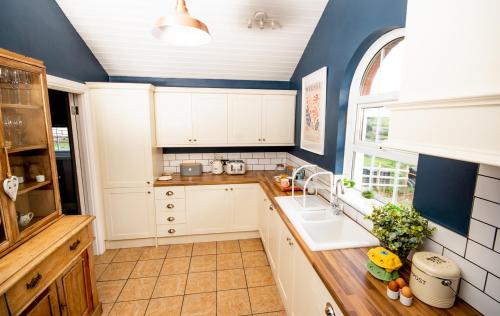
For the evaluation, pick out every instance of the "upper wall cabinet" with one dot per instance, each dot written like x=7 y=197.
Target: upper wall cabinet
x=224 y=117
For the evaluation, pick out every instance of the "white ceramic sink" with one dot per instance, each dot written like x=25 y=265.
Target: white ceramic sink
x=324 y=230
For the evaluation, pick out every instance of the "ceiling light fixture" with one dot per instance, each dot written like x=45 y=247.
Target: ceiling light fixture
x=181 y=29
x=261 y=19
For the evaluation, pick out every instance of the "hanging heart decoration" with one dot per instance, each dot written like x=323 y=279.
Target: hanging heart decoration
x=10 y=186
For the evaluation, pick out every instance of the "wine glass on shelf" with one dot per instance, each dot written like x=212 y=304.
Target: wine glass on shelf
x=7 y=127
x=14 y=85
x=25 y=80
x=4 y=85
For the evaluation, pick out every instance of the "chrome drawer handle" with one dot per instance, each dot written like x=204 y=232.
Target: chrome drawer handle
x=171 y=219
x=34 y=281
x=171 y=231
x=170 y=205
x=169 y=193
x=74 y=245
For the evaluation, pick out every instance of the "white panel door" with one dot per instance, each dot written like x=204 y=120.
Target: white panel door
x=285 y=265
x=274 y=239
x=173 y=119
x=129 y=213
x=245 y=119
x=245 y=205
x=209 y=114
x=278 y=119
x=124 y=136
x=208 y=209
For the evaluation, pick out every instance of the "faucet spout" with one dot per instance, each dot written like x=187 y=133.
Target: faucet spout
x=336 y=203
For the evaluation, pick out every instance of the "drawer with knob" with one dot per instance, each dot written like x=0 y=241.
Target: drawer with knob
x=170 y=230
x=174 y=192
x=163 y=217
x=170 y=205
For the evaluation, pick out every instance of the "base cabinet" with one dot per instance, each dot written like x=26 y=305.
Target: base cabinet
x=74 y=299
x=47 y=304
x=274 y=238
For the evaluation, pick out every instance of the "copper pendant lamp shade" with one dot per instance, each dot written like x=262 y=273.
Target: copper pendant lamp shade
x=181 y=29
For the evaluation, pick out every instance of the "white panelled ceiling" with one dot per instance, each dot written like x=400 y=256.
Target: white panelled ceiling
x=119 y=34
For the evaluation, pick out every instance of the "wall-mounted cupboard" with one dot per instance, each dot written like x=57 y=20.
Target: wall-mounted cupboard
x=224 y=117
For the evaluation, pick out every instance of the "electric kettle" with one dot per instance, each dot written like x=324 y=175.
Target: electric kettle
x=217 y=167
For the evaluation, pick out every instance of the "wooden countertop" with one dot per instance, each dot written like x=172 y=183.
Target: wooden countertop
x=342 y=271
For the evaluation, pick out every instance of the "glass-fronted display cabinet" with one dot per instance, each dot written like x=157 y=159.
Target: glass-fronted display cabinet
x=27 y=157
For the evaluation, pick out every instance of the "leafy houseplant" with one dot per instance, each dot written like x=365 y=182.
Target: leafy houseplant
x=399 y=228
x=368 y=194
x=348 y=183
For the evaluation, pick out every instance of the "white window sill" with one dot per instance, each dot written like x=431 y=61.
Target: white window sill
x=354 y=198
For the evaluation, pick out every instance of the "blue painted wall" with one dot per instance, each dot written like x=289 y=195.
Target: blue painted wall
x=39 y=29
x=205 y=83
x=346 y=27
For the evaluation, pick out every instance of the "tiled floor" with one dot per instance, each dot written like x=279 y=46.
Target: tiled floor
x=213 y=278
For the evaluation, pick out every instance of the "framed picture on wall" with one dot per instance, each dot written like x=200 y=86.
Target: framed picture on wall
x=312 y=135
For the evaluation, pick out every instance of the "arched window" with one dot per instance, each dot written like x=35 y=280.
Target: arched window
x=389 y=174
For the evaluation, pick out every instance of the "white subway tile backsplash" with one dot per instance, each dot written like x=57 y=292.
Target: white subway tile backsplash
x=493 y=287
x=220 y=156
x=451 y=240
x=490 y=171
x=488 y=188
x=270 y=167
x=484 y=257
x=204 y=162
x=486 y=211
x=210 y=156
x=258 y=167
x=470 y=272
x=207 y=168
x=281 y=154
x=264 y=161
x=195 y=156
x=277 y=161
x=258 y=155
x=175 y=163
x=233 y=156
x=482 y=233
x=478 y=299
x=253 y=161
x=270 y=155
x=432 y=246
x=246 y=155
x=181 y=156
x=169 y=156
x=170 y=169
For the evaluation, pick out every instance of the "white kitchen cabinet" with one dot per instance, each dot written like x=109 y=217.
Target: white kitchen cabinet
x=287 y=249
x=274 y=238
x=129 y=213
x=123 y=120
x=245 y=119
x=209 y=116
x=174 y=124
x=244 y=204
x=208 y=209
x=264 y=212
x=278 y=119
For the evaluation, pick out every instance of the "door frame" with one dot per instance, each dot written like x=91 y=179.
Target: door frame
x=88 y=153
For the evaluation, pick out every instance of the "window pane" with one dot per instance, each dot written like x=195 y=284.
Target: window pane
x=384 y=72
x=390 y=180
x=375 y=125
x=61 y=138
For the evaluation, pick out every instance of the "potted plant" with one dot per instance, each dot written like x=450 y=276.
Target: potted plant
x=400 y=229
x=368 y=194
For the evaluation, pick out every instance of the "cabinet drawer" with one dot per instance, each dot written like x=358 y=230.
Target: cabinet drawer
x=172 y=230
x=169 y=192
x=170 y=205
x=45 y=273
x=169 y=218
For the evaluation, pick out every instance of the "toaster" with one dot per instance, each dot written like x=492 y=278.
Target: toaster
x=235 y=167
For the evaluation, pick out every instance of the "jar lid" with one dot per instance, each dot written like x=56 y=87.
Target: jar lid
x=436 y=265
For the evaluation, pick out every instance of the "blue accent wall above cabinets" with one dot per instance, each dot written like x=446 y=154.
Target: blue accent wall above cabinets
x=205 y=83
x=444 y=192
x=345 y=29
x=39 y=29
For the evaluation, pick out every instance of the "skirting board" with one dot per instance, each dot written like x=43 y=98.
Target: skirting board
x=144 y=242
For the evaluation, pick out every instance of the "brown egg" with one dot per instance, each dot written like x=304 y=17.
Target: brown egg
x=393 y=286
x=406 y=292
x=401 y=282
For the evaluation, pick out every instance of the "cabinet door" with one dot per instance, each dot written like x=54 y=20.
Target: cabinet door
x=129 y=213
x=46 y=304
x=285 y=267
x=209 y=113
x=245 y=119
x=73 y=293
x=245 y=205
x=124 y=135
x=173 y=119
x=303 y=287
x=278 y=119
x=274 y=238
x=208 y=209
x=264 y=211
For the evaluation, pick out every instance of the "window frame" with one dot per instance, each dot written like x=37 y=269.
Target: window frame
x=357 y=103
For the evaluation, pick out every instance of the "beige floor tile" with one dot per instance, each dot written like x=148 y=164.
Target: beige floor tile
x=280 y=313
x=229 y=261
x=180 y=250
x=165 y=306
x=175 y=266
x=106 y=257
x=99 y=269
x=133 y=308
x=106 y=308
x=117 y=271
x=108 y=291
x=128 y=254
x=137 y=289
x=259 y=276
x=265 y=299
x=148 y=268
x=203 y=304
x=233 y=303
x=251 y=245
x=231 y=279
x=205 y=248
x=201 y=282
x=203 y=263
x=151 y=253
x=170 y=285
x=228 y=246
x=254 y=259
